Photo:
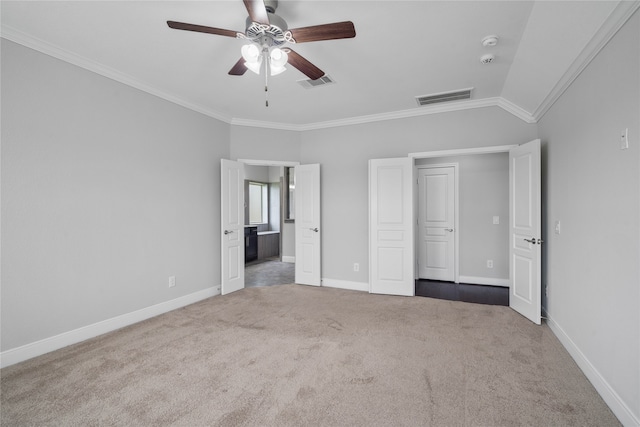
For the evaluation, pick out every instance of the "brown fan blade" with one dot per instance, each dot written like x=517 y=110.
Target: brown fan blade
x=257 y=11
x=303 y=65
x=338 y=30
x=201 y=29
x=238 y=69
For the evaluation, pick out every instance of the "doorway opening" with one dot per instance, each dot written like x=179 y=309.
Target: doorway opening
x=462 y=250
x=269 y=223
x=392 y=224
x=462 y=233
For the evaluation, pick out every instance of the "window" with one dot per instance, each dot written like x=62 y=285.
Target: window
x=258 y=203
x=289 y=190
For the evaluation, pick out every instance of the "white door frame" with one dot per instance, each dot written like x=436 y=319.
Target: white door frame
x=456 y=168
x=460 y=152
x=253 y=162
x=277 y=163
x=463 y=151
x=471 y=151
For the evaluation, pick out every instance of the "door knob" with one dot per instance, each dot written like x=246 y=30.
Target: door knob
x=314 y=229
x=448 y=229
x=228 y=232
x=532 y=241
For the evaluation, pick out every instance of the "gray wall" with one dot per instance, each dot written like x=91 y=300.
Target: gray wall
x=256 y=173
x=593 y=188
x=264 y=144
x=268 y=144
x=484 y=193
x=344 y=153
x=106 y=192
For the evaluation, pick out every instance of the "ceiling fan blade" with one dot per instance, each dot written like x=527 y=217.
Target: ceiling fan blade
x=201 y=29
x=257 y=11
x=337 y=30
x=304 y=66
x=238 y=69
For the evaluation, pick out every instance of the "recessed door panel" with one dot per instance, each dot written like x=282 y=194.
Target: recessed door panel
x=390 y=264
x=522 y=272
x=390 y=205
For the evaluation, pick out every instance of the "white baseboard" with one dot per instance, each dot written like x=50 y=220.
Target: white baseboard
x=345 y=284
x=38 y=348
x=290 y=259
x=608 y=394
x=491 y=281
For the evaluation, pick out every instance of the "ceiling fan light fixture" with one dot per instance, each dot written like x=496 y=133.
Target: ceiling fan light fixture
x=250 y=53
x=254 y=66
x=277 y=70
x=278 y=58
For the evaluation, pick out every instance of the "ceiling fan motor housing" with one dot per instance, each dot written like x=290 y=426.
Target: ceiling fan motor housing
x=276 y=31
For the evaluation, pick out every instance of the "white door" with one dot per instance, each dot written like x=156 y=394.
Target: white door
x=525 y=230
x=391 y=245
x=436 y=223
x=307 y=208
x=232 y=226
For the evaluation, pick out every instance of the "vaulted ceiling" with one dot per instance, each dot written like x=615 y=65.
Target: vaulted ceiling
x=402 y=49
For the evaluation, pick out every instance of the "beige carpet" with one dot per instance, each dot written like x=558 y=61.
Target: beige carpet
x=296 y=355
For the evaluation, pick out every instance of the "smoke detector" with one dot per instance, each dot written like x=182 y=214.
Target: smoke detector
x=490 y=41
x=487 y=59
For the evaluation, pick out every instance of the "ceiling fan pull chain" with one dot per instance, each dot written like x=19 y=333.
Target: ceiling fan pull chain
x=266 y=78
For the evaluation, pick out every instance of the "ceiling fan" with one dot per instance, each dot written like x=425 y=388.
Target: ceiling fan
x=267 y=31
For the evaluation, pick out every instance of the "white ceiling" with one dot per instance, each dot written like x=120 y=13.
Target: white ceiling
x=402 y=49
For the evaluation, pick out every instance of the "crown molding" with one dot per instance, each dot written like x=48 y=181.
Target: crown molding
x=517 y=111
x=57 y=52
x=265 y=125
x=618 y=17
x=395 y=115
x=403 y=114
x=50 y=49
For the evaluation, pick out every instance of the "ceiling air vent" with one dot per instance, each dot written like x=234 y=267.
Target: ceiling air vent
x=444 y=97
x=322 y=81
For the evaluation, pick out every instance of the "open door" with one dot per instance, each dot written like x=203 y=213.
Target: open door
x=391 y=234
x=525 y=230
x=307 y=207
x=232 y=226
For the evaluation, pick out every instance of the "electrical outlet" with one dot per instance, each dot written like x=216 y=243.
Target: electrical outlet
x=557 y=227
x=356 y=266
x=172 y=281
x=496 y=220
x=489 y=263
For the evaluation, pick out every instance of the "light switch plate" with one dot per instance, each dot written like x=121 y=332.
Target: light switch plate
x=624 y=139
